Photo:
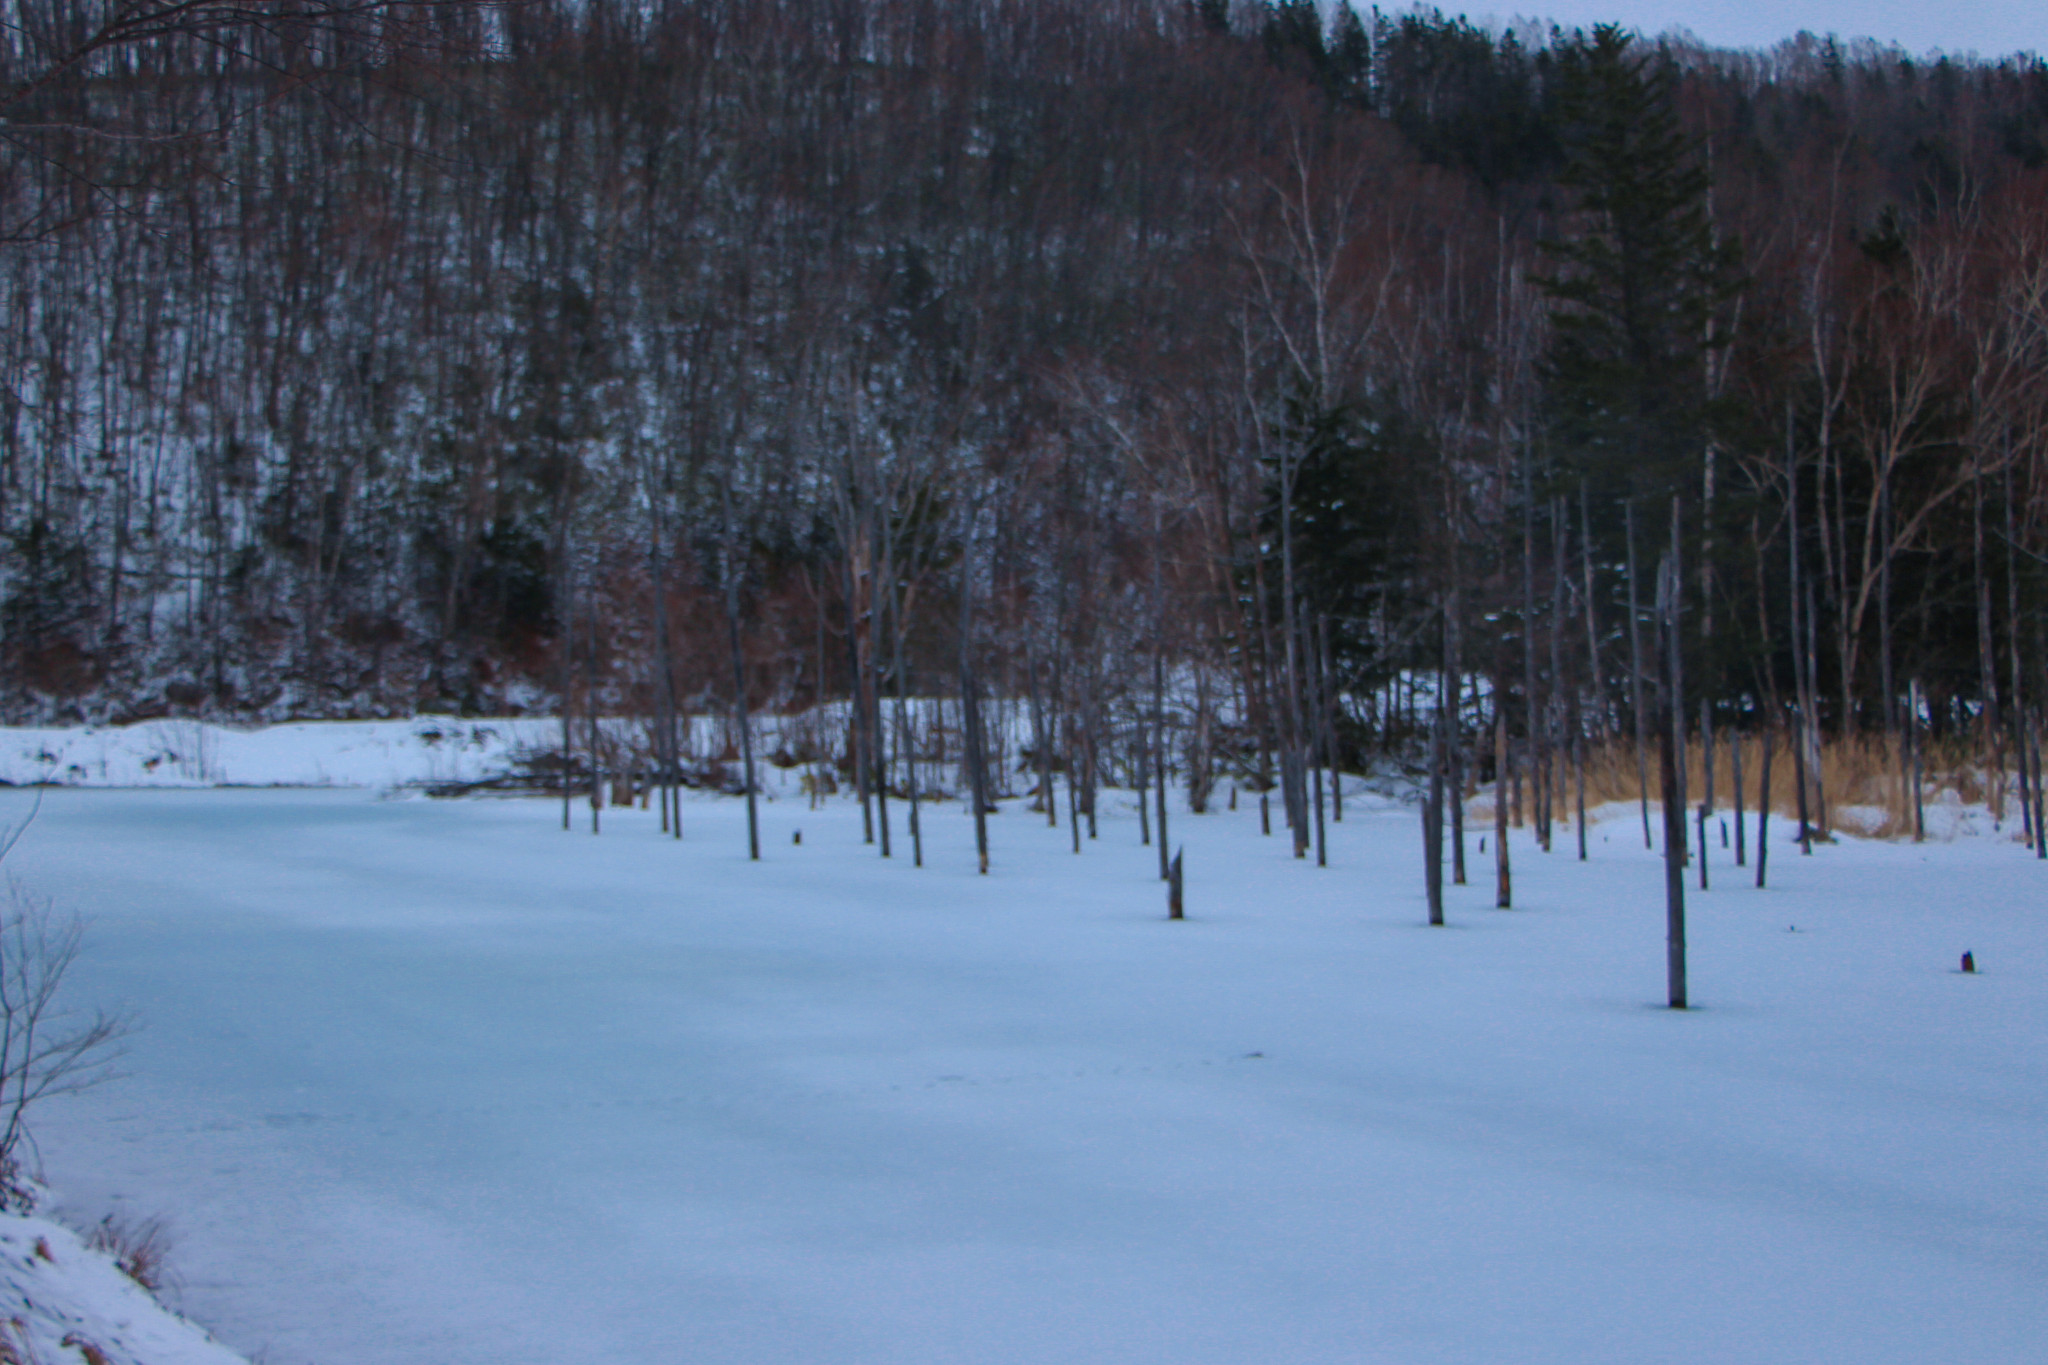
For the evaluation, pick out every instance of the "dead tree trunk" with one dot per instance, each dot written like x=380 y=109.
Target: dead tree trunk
x=1041 y=738
x=1073 y=751
x=1433 y=820
x=1560 y=536
x=906 y=740
x=1579 y=771
x=2034 y=764
x=1706 y=808
x=818 y=729
x=972 y=744
x=1539 y=780
x=1090 y=757
x=667 y=779
x=1735 y=774
x=1141 y=779
x=1897 y=744
x=1763 y=802
x=1292 y=772
x=1159 y=749
x=1268 y=723
x=1052 y=724
x=1796 y=738
x=1635 y=679
x=1800 y=602
x=1318 y=750
x=1594 y=689
x=1453 y=680
x=2016 y=702
x=857 y=709
x=2023 y=773
x=1201 y=776
x=1987 y=665
x=1814 y=754
x=740 y=714
x=878 y=751
x=1503 y=895
x=568 y=688
x=1913 y=743
x=1671 y=755
x=1330 y=714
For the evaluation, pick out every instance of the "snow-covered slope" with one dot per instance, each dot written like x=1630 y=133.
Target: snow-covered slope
x=62 y=1301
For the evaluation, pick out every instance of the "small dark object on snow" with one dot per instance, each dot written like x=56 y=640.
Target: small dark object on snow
x=1173 y=910
x=1482 y=843
x=1969 y=964
x=1724 y=834
x=796 y=837
x=1791 y=928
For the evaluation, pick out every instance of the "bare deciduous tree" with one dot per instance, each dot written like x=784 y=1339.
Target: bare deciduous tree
x=45 y=1049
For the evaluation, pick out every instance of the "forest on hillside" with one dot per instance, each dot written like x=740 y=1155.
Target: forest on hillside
x=1208 y=376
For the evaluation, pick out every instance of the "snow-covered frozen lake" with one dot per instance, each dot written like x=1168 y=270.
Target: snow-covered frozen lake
x=434 y=1081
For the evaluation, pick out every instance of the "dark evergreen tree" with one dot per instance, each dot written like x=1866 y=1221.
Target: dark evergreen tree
x=1463 y=98
x=1361 y=492
x=1638 y=278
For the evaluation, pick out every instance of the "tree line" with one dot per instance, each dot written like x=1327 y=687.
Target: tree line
x=1240 y=390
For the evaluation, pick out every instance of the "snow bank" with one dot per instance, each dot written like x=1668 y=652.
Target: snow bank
x=60 y=1300
x=377 y=754
x=182 y=753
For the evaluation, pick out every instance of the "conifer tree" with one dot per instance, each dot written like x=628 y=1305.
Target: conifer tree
x=1637 y=280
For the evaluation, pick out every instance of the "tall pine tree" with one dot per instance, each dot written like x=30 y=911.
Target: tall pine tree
x=1636 y=279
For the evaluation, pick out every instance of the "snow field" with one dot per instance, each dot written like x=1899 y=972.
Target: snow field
x=435 y=1080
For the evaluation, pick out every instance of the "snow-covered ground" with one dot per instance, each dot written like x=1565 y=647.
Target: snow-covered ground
x=62 y=1297
x=426 y=751
x=190 y=753
x=435 y=1081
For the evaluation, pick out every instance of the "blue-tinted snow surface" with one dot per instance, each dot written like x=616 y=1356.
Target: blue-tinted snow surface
x=434 y=1081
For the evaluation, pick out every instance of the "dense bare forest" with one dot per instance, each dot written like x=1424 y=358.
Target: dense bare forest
x=1222 y=387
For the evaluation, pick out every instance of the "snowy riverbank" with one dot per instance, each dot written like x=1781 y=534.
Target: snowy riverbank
x=63 y=1301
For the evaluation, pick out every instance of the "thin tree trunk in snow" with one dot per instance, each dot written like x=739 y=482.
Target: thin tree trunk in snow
x=1671 y=756
x=1635 y=680
x=1503 y=897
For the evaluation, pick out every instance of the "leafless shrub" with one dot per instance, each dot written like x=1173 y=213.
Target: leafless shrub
x=45 y=1050
x=141 y=1250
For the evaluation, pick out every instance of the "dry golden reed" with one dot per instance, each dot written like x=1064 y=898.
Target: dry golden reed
x=1867 y=788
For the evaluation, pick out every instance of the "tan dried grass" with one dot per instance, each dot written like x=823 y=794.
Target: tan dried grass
x=140 y=1249
x=1863 y=774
